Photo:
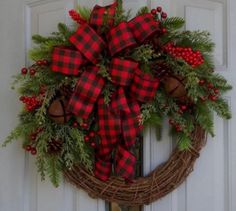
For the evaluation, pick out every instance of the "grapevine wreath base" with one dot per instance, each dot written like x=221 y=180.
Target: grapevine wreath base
x=144 y=190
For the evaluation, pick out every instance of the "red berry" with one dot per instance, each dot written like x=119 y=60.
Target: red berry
x=93 y=144
x=33 y=151
x=213 y=97
x=183 y=107
x=28 y=148
x=39 y=62
x=210 y=86
x=45 y=62
x=164 y=30
x=92 y=134
x=85 y=125
x=216 y=91
x=76 y=17
x=86 y=138
x=159 y=9
x=42 y=89
x=171 y=121
x=153 y=11
x=32 y=71
x=22 y=98
x=24 y=71
x=164 y=15
x=75 y=124
x=201 y=82
x=33 y=137
x=178 y=129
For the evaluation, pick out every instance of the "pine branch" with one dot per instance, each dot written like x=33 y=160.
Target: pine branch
x=204 y=117
x=103 y=71
x=198 y=40
x=46 y=44
x=192 y=86
x=107 y=92
x=221 y=107
x=146 y=113
x=64 y=31
x=41 y=166
x=144 y=54
x=81 y=149
x=84 y=12
x=53 y=170
x=143 y=10
x=38 y=39
x=173 y=23
x=14 y=135
x=120 y=13
x=184 y=141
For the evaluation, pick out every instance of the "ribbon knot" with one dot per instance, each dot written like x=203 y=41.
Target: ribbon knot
x=119 y=121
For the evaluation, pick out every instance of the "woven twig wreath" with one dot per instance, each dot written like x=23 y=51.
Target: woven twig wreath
x=144 y=190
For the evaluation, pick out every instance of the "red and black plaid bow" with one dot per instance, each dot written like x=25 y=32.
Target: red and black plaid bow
x=118 y=122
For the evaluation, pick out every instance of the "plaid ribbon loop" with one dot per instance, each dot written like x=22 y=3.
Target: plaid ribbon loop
x=87 y=91
x=88 y=42
x=119 y=121
x=66 y=61
x=143 y=27
x=99 y=14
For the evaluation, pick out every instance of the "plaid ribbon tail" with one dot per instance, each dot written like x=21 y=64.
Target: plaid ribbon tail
x=131 y=126
x=125 y=163
x=118 y=121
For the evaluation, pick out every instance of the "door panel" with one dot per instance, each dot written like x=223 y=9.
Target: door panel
x=11 y=57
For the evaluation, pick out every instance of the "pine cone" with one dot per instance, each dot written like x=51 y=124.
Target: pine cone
x=162 y=70
x=54 y=146
x=66 y=91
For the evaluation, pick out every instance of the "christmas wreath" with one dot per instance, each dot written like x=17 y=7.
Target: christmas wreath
x=94 y=87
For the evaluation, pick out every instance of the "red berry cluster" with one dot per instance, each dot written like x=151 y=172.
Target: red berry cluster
x=183 y=108
x=33 y=69
x=43 y=62
x=76 y=17
x=91 y=139
x=193 y=58
x=31 y=149
x=177 y=127
x=213 y=92
x=31 y=103
x=84 y=125
x=158 y=11
x=33 y=136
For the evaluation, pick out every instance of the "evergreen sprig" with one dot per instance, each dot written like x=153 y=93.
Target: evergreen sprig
x=45 y=45
x=143 y=10
x=173 y=23
x=84 y=12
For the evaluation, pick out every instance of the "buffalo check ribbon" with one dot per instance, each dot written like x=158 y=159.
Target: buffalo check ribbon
x=119 y=121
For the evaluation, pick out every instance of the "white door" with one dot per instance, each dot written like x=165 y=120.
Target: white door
x=211 y=187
